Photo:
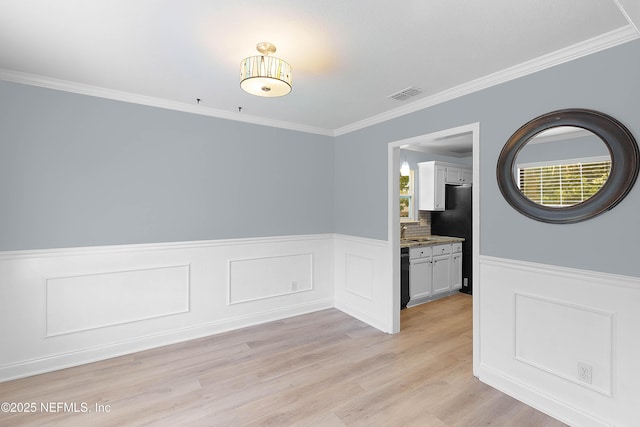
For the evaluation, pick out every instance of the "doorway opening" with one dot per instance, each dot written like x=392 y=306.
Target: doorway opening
x=453 y=142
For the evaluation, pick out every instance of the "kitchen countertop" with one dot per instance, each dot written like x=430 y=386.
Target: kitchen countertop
x=410 y=242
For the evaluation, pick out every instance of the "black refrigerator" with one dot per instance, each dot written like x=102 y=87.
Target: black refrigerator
x=455 y=221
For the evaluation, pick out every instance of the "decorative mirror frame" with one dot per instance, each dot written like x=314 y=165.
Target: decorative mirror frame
x=625 y=161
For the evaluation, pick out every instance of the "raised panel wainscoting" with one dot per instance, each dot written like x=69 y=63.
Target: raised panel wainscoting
x=363 y=281
x=537 y=327
x=90 y=301
x=65 y=307
x=562 y=340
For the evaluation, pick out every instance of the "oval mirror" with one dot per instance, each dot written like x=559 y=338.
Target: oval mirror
x=568 y=166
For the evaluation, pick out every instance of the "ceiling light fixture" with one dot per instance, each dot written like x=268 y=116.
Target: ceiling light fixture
x=405 y=169
x=264 y=75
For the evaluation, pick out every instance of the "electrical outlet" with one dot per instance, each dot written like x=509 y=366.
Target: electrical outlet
x=584 y=372
x=294 y=286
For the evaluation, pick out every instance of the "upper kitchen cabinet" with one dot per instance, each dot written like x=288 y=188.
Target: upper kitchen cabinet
x=432 y=178
x=458 y=175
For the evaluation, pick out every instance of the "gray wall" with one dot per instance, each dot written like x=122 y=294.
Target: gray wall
x=607 y=81
x=82 y=171
x=78 y=170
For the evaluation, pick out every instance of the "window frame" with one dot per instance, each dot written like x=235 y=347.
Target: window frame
x=411 y=197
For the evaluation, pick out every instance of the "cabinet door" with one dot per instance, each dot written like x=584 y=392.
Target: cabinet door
x=454 y=175
x=441 y=274
x=466 y=176
x=456 y=271
x=420 y=272
x=440 y=177
x=426 y=185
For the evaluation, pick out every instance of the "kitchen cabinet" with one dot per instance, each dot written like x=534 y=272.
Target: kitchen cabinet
x=456 y=271
x=431 y=182
x=441 y=280
x=467 y=176
x=458 y=175
x=434 y=271
x=420 y=274
x=441 y=274
x=432 y=178
x=456 y=266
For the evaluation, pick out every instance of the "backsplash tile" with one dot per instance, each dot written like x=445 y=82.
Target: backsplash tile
x=421 y=228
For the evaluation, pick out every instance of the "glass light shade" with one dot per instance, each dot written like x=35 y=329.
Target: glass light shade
x=265 y=76
x=405 y=170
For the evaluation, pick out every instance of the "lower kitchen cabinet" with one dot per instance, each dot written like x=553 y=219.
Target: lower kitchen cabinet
x=441 y=274
x=456 y=271
x=420 y=274
x=434 y=271
x=441 y=268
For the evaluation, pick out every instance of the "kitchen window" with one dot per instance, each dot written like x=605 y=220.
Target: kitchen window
x=564 y=182
x=407 y=208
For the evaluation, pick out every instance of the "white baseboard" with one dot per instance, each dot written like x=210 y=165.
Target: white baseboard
x=97 y=353
x=364 y=317
x=537 y=399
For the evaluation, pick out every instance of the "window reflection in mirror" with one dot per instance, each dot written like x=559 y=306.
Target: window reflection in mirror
x=562 y=166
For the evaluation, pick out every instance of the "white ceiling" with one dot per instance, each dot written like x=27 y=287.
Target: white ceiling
x=347 y=56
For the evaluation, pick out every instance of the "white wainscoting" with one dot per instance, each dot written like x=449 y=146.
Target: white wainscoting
x=359 y=275
x=363 y=283
x=89 y=301
x=538 y=322
x=563 y=337
x=251 y=279
x=65 y=307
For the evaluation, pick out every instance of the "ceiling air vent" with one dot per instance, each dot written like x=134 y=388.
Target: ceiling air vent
x=405 y=94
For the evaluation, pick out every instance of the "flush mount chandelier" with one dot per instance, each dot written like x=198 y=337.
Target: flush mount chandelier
x=264 y=75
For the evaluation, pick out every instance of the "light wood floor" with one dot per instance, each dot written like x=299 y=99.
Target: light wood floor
x=320 y=369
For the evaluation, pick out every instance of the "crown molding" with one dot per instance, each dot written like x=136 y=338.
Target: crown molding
x=587 y=47
x=134 y=98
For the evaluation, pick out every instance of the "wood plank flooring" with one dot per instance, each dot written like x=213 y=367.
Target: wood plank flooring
x=319 y=369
